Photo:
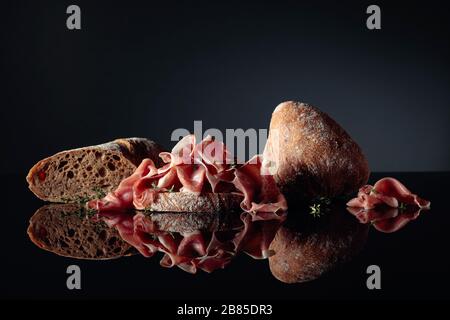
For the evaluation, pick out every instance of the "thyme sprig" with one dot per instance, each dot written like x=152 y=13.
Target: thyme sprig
x=319 y=206
x=99 y=194
x=154 y=186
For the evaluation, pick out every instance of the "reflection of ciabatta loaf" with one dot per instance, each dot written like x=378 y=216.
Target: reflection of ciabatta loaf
x=306 y=249
x=311 y=155
x=194 y=202
x=65 y=229
x=85 y=173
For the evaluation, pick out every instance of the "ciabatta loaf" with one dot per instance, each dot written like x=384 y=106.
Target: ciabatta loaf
x=311 y=155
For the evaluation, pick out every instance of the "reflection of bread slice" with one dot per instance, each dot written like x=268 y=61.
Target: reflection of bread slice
x=66 y=230
x=87 y=172
x=311 y=154
x=310 y=247
x=185 y=222
x=194 y=202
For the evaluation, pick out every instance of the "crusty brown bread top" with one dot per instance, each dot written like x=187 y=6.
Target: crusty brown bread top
x=197 y=203
x=307 y=248
x=81 y=174
x=69 y=230
x=312 y=155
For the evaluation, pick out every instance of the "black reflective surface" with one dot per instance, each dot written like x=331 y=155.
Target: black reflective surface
x=191 y=241
x=414 y=261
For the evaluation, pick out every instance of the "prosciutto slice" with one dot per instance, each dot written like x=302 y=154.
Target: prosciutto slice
x=387 y=191
x=388 y=205
x=203 y=167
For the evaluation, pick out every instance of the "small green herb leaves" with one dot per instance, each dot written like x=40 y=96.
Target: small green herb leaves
x=319 y=206
x=316 y=210
x=81 y=213
x=99 y=193
x=155 y=186
x=148 y=211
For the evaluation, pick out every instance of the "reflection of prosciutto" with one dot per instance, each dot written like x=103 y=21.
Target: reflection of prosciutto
x=197 y=249
x=198 y=168
x=388 y=205
x=384 y=218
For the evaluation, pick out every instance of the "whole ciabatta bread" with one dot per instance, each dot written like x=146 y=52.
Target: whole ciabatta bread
x=67 y=230
x=311 y=155
x=89 y=172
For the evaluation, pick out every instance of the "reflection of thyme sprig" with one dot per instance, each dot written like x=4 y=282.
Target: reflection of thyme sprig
x=316 y=210
x=402 y=206
x=99 y=226
x=319 y=206
x=148 y=211
x=91 y=212
x=81 y=213
x=324 y=200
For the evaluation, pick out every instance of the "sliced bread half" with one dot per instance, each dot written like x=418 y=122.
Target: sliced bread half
x=85 y=173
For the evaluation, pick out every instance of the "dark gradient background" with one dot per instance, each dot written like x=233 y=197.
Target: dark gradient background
x=139 y=68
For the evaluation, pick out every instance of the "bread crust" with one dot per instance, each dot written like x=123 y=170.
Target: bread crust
x=65 y=230
x=81 y=173
x=137 y=149
x=312 y=155
x=197 y=202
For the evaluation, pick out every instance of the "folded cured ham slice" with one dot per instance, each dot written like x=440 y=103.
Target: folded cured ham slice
x=202 y=168
x=387 y=191
x=388 y=205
